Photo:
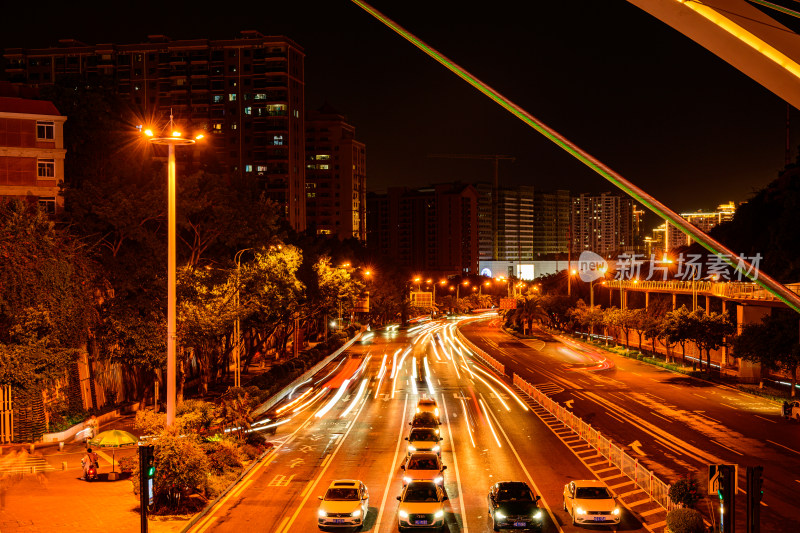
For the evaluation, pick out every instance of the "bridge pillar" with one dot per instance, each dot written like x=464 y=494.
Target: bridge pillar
x=724 y=351
x=674 y=299
x=646 y=300
x=708 y=304
x=749 y=314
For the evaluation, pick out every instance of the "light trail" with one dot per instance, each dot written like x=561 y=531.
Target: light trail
x=399 y=367
x=331 y=372
x=312 y=400
x=489 y=421
x=435 y=351
x=414 y=386
x=428 y=376
x=299 y=385
x=293 y=402
x=739 y=264
x=466 y=418
x=355 y=399
x=493 y=391
x=339 y=393
x=394 y=363
x=513 y=395
x=380 y=376
x=278 y=423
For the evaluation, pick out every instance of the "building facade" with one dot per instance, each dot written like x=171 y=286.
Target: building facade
x=702 y=220
x=432 y=230
x=551 y=214
x=32 y=152
x=247 y=92
x=510 y=236
x=604 y=224
x=336 y=177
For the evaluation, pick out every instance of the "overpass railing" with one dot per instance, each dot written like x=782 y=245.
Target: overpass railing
x=645 y=479
x=733 y=290
x=488 y=359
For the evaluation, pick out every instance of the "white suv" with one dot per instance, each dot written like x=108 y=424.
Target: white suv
x=345 y=504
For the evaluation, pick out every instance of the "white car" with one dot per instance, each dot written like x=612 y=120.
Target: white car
x=345 y=504
x=590 y=502
x=423 y=466
x=421 y=506
x=428 y=405
x=424 y=440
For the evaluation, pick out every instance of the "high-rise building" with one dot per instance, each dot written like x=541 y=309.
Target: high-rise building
x=31 y=152
x=603 y=224
x=336 y=180
x=248 y=92
x=702 y=220
x=551 y=213
x=513 y=240
x=431 y=230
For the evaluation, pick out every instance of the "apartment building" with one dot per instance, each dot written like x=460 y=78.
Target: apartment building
x=604 y=224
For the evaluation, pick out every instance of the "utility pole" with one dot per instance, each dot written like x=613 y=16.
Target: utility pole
x=495 y=186
x=754 y=495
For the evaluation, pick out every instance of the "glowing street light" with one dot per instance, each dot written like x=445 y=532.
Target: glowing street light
x=173 y=140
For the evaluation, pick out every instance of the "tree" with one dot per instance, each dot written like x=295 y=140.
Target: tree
x=622 y=319
x=709 y=331
x=773 y=343
x=677 y=330
x=650 y=327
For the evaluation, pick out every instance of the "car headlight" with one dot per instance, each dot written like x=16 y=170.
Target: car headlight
x=438 y=514
x=411 y=448
x=616 y=510
x=436 y=448
x=403 y=514
x=406 y=479
x=580 y=510
x=418 y=409
x=322 y=513
x=537 y=515
x=438 y=480
x=436 y=411
x=499 y=515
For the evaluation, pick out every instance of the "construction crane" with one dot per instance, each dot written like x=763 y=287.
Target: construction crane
x=495 y=185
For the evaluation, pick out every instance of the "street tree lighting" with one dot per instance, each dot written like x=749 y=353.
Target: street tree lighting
x=175 y=138
x=237 y=335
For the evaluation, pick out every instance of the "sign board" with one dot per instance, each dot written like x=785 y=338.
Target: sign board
x=421 y=299
x=362 y=304
x=508 y=303
x=713 y=479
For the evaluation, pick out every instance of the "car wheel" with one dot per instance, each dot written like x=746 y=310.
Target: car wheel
x=564 y=504
x=574 y=523
x=494 y=526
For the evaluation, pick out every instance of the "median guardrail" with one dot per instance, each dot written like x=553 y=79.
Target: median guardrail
x=488 y=359
x=656 y=489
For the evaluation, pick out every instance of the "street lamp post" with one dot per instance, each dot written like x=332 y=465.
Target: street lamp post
x=175 y=139
x=237 y=336
x=570 y=273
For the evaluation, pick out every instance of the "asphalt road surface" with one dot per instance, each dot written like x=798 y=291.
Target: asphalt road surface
x=350 y=422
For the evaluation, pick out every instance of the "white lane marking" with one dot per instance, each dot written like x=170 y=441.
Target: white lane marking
x=527 y=474
x=726 y=447
x=458 y=474
x=767 y=419
x=782 y=446
x=392 y=468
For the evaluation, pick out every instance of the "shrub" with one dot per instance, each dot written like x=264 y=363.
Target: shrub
x=215 y=484
x=150 y=422
x=685 y=521
x=195 y=416
x=128 y=463
x=251 y=451
x=685 y=491
x=223 y=457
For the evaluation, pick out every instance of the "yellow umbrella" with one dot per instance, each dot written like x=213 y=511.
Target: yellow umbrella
x=114 y=438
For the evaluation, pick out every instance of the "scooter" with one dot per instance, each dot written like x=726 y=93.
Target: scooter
x=91 y=472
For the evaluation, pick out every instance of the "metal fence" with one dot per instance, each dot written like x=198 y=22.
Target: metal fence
x=657 y=490
x=6 y=415
x=488 y=359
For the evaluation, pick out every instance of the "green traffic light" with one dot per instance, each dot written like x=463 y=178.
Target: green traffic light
x=151 y=471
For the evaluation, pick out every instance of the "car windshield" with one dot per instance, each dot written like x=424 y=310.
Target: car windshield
x=421 y=493
x=424 y=419
x=514 y=494
x=341 y=494
x=592 y=493
x=422 y=464
x=425 y=436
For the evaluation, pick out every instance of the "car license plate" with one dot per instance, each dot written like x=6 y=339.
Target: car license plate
x=338 y=520
x=599 y=518
x=520 y=524
x=420 y=522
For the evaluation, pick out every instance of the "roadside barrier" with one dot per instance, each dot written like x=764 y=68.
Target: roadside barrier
x=488 y=359
x=657 y=490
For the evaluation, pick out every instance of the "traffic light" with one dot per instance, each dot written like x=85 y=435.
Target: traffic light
x=726 y=491
x=147 y=474
x=755 y=492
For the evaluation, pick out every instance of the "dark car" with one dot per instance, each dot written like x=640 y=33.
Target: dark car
x=512 y=505
x=425 y=420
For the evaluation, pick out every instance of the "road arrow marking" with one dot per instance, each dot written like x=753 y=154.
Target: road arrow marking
x=636 y=447
x=306 y=448
x=568 y=404
x=295 y=462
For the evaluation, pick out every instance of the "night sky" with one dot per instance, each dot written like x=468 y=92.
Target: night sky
x=647 y=101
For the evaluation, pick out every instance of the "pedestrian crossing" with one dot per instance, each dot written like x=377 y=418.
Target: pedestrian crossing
x=23 y=463
x=549 y=388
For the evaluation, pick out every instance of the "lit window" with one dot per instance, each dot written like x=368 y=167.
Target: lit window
x=260 y=96
x=48 y=205
x=323 y=156
x=46 y=168
x=248 y=168
x=217 y=98
x=276 y=109
x=217 y=126
x=231 y=97
x=261 y=168
x=296 y=113
x=45 y=130
x=312 y=167
x=234 y=125
x=248 y=110
x=324 y=167
x=277 y=140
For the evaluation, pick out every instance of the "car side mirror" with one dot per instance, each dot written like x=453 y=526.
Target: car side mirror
x=444 y=467
x=402 y=467
x=445 y=498
x=537 y=499
x=406 y=438
x=365 y=498
x=411 y=423
x=320 y=497
x=441 y=438
x=398 y=498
